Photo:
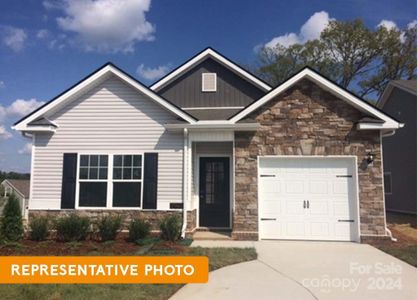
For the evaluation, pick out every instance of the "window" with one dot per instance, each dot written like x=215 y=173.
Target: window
x=209 y=82
x=110 y=180
x=387 y=183
x=127 y=180
x=93 y=180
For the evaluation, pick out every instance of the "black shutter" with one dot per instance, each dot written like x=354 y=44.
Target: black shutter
x=150 y=181
x=69 y=180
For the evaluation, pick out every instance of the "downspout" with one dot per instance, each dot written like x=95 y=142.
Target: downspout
x=184 y=183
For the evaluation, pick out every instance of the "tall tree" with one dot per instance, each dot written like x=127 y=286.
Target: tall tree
x=358 y=58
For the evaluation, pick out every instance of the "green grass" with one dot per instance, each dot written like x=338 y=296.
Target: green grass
x=218 y=257
x=407 y=254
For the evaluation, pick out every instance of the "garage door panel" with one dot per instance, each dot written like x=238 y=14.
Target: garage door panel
x=323 y=183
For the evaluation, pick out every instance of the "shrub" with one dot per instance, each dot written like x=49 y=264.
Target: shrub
x=39 y=228
x=138 y=229
x=109 y=227
x=11 y=221
x=170 y=228
x=72 y=228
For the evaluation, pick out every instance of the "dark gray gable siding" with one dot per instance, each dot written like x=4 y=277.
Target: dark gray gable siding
x=400 y=152
x=232 y=90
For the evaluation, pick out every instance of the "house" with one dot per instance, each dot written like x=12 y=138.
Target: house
x=217 y=145
x=400 y=151
x=20 y=188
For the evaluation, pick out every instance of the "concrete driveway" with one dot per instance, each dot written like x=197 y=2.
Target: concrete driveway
x=308 y=270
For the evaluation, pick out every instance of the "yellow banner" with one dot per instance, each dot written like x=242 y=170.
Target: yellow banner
x=103 y=269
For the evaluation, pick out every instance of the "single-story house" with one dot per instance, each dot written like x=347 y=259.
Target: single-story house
x=400 y=150
x=217 y=145
x=21 y=189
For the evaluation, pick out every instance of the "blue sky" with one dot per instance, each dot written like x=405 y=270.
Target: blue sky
x=46 y=46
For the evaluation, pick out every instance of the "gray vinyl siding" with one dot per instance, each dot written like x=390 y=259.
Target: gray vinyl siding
x=112 y=117
x=232 y=90
x=400 y=153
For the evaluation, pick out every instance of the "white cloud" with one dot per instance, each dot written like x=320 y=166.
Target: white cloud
x=2 y=84
x=4 y=134
x=14 y=38
x=105 y=25
x=19 y=108
x=42 y=34
x=412 y=24
x=26 y=149
x=309 y=31
x=152 y=73
x=388 y=24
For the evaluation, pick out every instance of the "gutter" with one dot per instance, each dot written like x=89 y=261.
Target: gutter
x=214 y=126
x=184 y=183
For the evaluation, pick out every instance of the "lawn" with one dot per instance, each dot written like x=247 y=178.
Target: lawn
x=218 y=257
x=404 y=229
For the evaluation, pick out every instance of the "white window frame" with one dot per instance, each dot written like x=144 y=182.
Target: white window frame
x=390 y=182
x=203 y=76
x=109 y=180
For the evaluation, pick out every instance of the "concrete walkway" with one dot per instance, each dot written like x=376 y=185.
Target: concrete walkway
x=307 y=270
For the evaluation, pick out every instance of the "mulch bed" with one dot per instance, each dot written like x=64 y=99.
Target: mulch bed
x=90 y=247
x=402 y=240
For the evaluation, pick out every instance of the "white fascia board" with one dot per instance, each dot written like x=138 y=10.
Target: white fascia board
x=216 y=56
x=324 y=83
x=30 y=129
x=22 y=126
x=379 y=126
x=214 y=126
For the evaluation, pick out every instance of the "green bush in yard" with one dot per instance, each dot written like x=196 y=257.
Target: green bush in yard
x=39 y=228
x=72 y=228
x=138 y=229
x=11 y=226
x=170 y=228
x=108 y=227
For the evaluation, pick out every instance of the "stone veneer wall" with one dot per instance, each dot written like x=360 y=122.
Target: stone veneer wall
x=306 y=120
x=152 y=216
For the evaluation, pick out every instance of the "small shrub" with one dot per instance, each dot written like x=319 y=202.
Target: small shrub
x=109 y=227
x=11 y=222
x=72 y=228
x=138 y=229
x=39 y=228
x=170 y=228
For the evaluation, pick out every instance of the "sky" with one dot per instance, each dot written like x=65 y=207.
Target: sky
x=47 y=46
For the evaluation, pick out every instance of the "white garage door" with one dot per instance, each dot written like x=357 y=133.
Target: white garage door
x=308 y=198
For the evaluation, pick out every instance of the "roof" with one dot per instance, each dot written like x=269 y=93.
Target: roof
x=100 y=74
x=203 y=55
x=21 y=186
x=330 y=86
x=409 y=86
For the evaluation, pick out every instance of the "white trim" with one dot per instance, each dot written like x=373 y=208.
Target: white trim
x=13 y=188
x=378 y=126
x=354 y=158
x=326 y=84
x=215 y=126
x=217 y=107
x=231 y=184
x=204 y=78
x=79 y=88
x=200 y=57
x=109 y=180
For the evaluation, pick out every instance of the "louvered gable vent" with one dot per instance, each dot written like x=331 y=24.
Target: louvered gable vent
x=209 y=82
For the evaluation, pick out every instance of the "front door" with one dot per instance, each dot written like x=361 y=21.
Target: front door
x=214 y=192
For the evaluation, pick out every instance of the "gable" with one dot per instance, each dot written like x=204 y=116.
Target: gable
x=232 y=90
x=333 y=88
x=87 y=84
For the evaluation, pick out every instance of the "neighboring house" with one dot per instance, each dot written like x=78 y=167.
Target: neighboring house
x=400 y=151
x=21 y=189
x=215 y=144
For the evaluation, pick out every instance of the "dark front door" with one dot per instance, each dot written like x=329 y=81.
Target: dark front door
x=214 y=192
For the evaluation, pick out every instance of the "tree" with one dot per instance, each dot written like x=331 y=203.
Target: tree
x=11 y=225
x=356 y=57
